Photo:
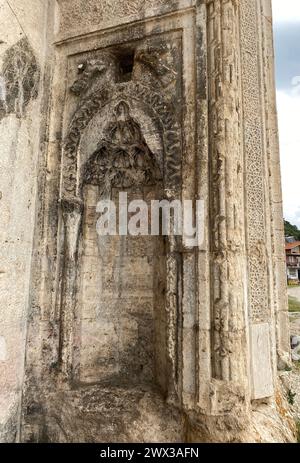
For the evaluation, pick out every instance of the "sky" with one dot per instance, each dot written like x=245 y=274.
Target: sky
x=286 y=17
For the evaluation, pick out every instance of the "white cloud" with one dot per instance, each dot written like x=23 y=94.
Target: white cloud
x=288 y=104
x=289 y=134
x=286 y=10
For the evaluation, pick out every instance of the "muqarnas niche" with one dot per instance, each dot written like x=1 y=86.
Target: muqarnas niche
x=121 y=277
x=124 y=136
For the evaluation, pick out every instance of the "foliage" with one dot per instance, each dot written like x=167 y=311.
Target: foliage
x=291 y=230
x=294 y=304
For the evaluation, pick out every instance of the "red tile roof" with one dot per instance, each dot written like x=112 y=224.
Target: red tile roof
x=289 y=246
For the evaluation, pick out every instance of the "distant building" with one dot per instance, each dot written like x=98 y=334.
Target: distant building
x=292 y=252
x=290 y=239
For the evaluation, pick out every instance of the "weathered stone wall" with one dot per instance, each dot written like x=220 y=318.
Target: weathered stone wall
x=22 y=55
x=144 y=339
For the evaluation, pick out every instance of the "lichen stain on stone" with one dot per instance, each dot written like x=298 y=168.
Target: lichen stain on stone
x=19 y=79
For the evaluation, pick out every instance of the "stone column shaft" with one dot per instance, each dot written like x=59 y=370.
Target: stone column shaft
x=227 y=195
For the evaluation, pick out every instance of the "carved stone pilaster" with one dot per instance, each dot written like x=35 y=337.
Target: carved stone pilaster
x=259 y=310
x=227 y=235
x=257 y=207
x=72 y=210
x=277 y=262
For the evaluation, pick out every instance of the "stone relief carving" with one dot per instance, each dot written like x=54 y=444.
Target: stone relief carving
x=157 y=60
x=146 y=86
x=19 y=79
x=87 y=11
x=227 y=323
x=121 y=8
x=93 y=91
x=88 y=71
x=150 y=90
x=123 y=158
x=253 y=147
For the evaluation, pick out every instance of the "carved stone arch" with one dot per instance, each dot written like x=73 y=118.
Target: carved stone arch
x=156 y=106
x=161 y=118
x=84 y=114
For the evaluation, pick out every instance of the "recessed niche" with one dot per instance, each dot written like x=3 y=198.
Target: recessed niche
x=126 y=60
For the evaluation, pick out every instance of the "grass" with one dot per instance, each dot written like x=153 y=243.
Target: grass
x=294 y=304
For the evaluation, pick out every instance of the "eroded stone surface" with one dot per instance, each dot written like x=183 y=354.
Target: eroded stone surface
x=19 y=79
x=21 y=67
x=139 y=339
x=111 y=415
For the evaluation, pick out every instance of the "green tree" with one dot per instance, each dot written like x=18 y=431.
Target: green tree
x=291 y=230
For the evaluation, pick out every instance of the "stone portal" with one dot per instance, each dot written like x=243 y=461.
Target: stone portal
x=136 y=338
